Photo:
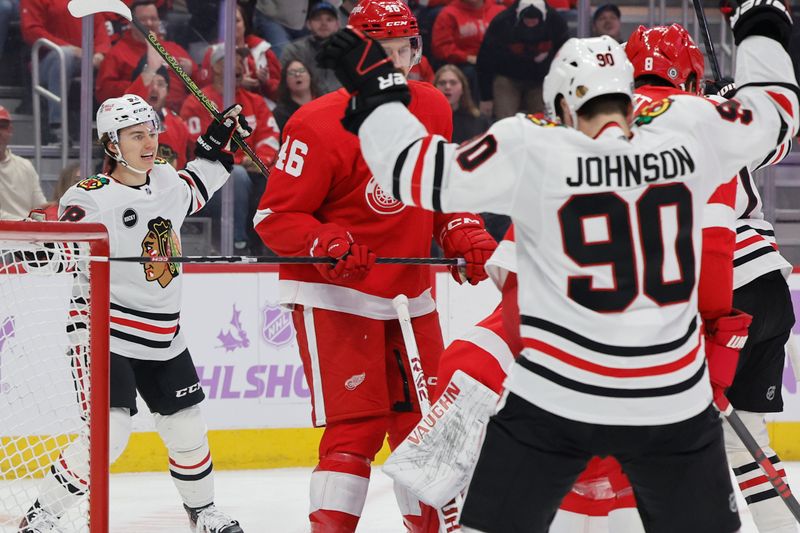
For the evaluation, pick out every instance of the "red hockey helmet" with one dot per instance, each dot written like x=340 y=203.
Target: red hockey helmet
x=387 y=19
x=667 y=52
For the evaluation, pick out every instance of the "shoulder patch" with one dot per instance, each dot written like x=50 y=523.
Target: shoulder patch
x=652 y=111
x=93 y=183
x=160 y=161
x=543 y=122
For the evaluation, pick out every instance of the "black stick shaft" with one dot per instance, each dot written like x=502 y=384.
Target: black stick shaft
x=195 y=90
x=761 y=458
x=712 y=55
x=238 y=259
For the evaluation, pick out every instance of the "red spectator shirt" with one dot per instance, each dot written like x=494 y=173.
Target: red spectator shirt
x=51 y=20
x=321 y=178
x=459 y=30
x=265 y=137
x=116 y=71
x=261 y=55
x=422 y=71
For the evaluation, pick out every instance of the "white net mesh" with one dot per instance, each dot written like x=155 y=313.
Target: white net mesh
x=44 y=383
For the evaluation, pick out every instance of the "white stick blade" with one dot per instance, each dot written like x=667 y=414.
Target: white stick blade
x=82 y=8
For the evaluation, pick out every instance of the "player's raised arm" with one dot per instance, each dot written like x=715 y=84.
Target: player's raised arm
x=418 y=168
x=765 y=109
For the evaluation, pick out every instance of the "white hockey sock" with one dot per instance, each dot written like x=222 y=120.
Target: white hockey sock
x=769 y=513
x=185 y=435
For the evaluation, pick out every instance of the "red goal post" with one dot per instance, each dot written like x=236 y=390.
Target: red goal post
x=41 y=263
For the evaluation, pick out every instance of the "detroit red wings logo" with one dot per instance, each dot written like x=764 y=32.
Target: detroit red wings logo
x=379 y=201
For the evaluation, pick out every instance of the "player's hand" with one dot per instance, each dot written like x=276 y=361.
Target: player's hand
x=723 y=88
x=725 y=338
x=353 y=260
x=362 y=67
x=215 y=143
x=770 y=19
x=466 y=237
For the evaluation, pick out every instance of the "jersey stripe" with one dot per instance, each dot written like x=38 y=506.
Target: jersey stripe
x=416 y=177
x=627 y=351
x=140 y=340
x=145 y=314
x=438 y=171
x=142 y=326
x=739 y=261
x=398 y=169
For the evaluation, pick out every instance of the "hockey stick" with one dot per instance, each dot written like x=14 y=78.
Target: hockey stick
x=448 y=515
x=761 y=458
x=276 y=260
x=712 y=55
x=82 y=8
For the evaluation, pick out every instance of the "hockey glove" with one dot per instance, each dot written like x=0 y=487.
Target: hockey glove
x=725 y=337
x=466 y=237
x=353 y=260
x=769 y=18
x=362 y=67
x=724 y=88
x=215 y=143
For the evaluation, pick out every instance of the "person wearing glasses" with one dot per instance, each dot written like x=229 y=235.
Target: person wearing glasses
x=297 y=87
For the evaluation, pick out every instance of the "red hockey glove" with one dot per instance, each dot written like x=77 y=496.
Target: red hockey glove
x=354 y=260
x=725 y=337
x=466 y=237
x=361 y=66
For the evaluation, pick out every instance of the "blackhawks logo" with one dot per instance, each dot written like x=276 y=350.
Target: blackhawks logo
x=93 y=183
x=160 y=242
x=540 y=121
x=653 y=110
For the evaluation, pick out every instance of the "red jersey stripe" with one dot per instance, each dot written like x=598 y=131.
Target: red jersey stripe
x=759 y=480
x=142 y=326
x=750 y=240
x=582 y=364
x=189 y=467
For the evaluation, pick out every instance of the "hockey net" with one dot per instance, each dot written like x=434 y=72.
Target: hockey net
x=53 y=367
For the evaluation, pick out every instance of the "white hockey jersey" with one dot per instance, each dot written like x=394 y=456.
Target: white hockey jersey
x=145 y=221
x=608 y=233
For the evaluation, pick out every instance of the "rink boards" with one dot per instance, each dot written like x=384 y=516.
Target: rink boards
x=257 y=401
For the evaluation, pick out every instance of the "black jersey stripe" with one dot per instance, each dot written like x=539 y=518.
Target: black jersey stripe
x=438 y=171
x=744 y=227
x=749 y=467
x=589 y=344
x=761 y=496
x=755 y=254
x=192 y=477
x=201 y=188
x=135 y=339
x=747 y=184
x=609 y=392
x=398 y=169
x=145 y=314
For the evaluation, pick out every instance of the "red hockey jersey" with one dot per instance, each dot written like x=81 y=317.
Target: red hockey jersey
x=320 y=177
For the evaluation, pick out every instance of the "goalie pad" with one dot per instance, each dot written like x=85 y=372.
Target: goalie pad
x=436 y=460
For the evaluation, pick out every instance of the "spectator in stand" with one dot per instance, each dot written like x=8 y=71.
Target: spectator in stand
x=69 y=176
x=131 y=54
x=153 y=86
x=323 y=21
x=262 y=69
x=280 y=22
x=20 y=190
x=458 y=33
x=515 y=57
x=248 y=181
x=9 y=11
x=345 y=7
x=467 y=119
x=296 y=89
x=607 y=21
x=50 y=19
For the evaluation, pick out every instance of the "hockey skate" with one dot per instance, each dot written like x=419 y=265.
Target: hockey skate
x=209 y=519
x=37 y=520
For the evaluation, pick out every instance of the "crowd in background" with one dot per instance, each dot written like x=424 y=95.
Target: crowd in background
x=488 y=58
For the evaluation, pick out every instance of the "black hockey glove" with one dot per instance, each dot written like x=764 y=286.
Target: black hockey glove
x=215 y=144
x=362 y=67
x=724 y=88
x=769 y=18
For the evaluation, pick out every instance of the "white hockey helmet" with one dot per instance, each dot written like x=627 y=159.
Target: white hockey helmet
x=584 y=69
x=116 y=114
x=128 y=110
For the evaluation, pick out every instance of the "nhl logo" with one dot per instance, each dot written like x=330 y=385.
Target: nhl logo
x=771 y=393
x=672 y=73
x=379 y=201
x=278 y=329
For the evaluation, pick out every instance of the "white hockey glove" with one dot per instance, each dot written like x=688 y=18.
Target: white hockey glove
x=435 y=462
